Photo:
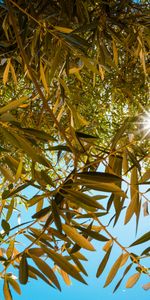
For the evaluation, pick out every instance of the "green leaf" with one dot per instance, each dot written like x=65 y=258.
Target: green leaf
x=103 y=263
x=113 y=271
x=144 y=238
x=23 y=270
x=77 y=238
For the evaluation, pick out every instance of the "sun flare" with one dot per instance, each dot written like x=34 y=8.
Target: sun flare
x=145 y=124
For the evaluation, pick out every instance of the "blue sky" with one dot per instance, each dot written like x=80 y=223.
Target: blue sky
x=77 y=291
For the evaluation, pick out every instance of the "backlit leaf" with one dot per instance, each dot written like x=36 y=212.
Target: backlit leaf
x=134 y=194
x=15 y=285
x=132 y=280
x=6 y=290
x=64 y=264
x=83 y=198
x=13 y=74
x=45 y=268
x=6 y=72
x=77 y=238
x=113 y=271
x=124 y=273
x=43 y=78
x=39 y=274
x=65 y=277
x=103 y=263
x=63 y=29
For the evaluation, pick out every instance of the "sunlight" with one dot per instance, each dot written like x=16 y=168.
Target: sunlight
x=145 y=124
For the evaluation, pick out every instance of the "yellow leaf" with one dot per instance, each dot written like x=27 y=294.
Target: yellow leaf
x=77 y=238
x=82 y=120
x=132 y=280
x=107 y=245
x=113 y=270
x=19 y=170
x=65 y=277
x=142 y=58
x=61 y=112
x=125 y=162
x=27 y=72
x=24 y=105
x=125 y=257
x=45 y=268
x=13 y=104
x=7 y=174
x=56 y=105
x=77 y=74
x=15 y=285
x=102 y=72
x=115 y=53
x=7 y=293
x=43 y=78
x=10 y=249
x=134 y=194
x=6 y=72
x=63 y=29
x=74 y=70
x=62 y=262
x=64 y=85
x=13 y=74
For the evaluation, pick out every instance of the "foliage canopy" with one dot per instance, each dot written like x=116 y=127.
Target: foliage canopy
x=74 y=129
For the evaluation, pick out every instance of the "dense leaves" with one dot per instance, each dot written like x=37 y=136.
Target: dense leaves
x=74 y=131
